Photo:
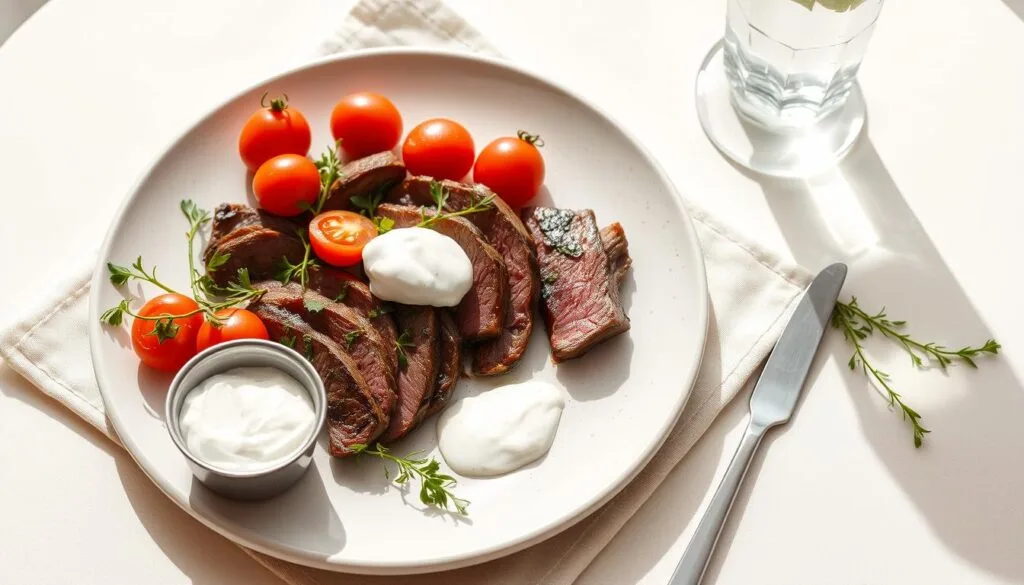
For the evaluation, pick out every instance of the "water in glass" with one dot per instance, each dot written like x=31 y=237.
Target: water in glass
x=793 y=62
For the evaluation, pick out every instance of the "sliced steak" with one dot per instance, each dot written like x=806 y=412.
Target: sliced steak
x=481 y=313
x=342 y=287
x=417 y=373
x=506 y=233
x=236 y=219
x=581 y=291
x=613 y=238
x=348 y=329
x=371 y=174
x=262 y=251
x=353 y=416
x=451 y=364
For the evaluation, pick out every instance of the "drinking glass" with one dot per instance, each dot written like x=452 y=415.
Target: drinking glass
x=778 y=94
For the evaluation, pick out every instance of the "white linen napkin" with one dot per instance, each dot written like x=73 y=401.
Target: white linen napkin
x=751 y=293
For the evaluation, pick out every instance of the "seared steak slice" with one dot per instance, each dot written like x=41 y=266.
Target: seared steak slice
x=342 y=287
x=261 y=251
x=506 y=233
x=581 y=291
x=613 y=238
x=348 y=329
x=482 y=311
x=353 y=416
x=417 y=373
x=451 y=364
x=236 y=219
x=374 y=173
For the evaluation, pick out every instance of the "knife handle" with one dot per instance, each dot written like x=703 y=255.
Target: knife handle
x=691 y=567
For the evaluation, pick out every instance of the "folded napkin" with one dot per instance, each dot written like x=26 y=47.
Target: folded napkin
x=751 y=293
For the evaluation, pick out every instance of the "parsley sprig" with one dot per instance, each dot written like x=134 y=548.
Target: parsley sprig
x=209 y=297
x=435 y=487
x=857 y=325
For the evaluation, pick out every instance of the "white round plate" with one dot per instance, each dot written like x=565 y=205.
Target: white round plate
x=623 y=398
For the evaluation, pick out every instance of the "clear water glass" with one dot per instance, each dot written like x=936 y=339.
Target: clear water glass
x=787 y=69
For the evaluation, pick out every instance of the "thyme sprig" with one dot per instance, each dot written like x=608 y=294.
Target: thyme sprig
x=440 y=196
x=435 y=487
x=209 y=297
x=857 y=325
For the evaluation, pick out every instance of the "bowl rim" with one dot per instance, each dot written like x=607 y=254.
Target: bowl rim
x=176 y=394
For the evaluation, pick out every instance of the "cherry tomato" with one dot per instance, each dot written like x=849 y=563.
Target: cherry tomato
x=237 y=324
x=166 y=345
x=284 y=183
x=273 y=130
x=366 y=123
x=440 y=148
x=512 y=167
x=338 y=237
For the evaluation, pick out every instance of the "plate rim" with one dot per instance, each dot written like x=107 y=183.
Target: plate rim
x=454 y=561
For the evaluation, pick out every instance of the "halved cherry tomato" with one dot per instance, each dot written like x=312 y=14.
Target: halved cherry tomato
x=237 y=324
x=275 y=129
x=366 y=123
x=166 y=344
x=284 y=183
x=440 y=148
x=338 y=237
x=512 y=167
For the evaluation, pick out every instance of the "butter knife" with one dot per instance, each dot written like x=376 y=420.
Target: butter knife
x=772 y=403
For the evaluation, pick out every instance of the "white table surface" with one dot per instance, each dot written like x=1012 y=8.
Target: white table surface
x=927 y=210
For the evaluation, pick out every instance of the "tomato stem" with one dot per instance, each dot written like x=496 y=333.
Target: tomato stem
x=278 y=104
x=528 y=138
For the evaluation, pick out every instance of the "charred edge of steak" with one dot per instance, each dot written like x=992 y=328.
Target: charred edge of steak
x=341 y=287
x=261 y=251
x=481 y=313
x=418 y=377
x=231 y=220
x=376 y=173
x=451 y=364
x=353 y=416
x=613 y=238
x=581 y=304
x=346 y=327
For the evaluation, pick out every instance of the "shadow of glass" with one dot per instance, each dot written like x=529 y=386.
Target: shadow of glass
x=963 y=481
x=1017 y=6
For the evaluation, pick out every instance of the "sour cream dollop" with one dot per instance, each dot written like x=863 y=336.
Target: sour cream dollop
x=500 y=430
x=417 y=266
x=247 y=419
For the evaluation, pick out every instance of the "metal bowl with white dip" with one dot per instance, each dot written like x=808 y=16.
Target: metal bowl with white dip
x=246 y=415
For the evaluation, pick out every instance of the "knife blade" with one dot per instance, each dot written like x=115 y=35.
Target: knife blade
x=772 y=403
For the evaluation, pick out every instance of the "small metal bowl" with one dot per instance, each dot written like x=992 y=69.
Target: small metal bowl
x=262 y=483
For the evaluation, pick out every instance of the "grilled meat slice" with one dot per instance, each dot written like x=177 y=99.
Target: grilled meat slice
x=417 y=372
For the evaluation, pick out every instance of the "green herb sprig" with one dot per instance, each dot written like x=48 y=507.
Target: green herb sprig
x=208 y=296
x=288 y=272
x=857 y=325
x=404 y=342
x=440 y=196
x=435 y=487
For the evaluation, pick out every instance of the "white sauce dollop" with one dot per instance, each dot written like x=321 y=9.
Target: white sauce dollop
x=500 y=430
x=417 y=266
x=247 y=419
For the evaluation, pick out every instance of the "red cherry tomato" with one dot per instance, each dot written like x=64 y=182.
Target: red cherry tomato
x=512 y=167
x=166 y=344
x=275 y=129
x=338 y=237
x=439 y=148
x=284 y=183
x=366 y=123
x=237 y=324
